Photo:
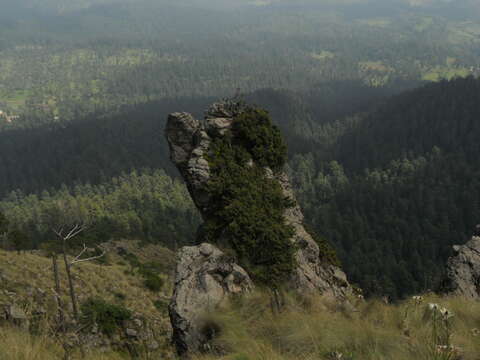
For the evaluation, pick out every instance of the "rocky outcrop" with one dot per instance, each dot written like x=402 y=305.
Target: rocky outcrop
x=189 y=141
x=463 y=270
x=205 y=276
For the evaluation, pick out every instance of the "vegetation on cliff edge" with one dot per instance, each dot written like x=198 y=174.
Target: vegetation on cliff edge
x=248 y=206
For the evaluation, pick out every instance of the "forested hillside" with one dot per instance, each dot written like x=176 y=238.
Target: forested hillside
x=399 y=186
x=95 y=148
x=146 y=205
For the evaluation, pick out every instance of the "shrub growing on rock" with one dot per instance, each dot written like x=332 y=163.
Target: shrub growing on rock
x=263 y=140
x=248 y=206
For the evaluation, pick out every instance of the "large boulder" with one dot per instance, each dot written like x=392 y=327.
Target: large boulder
x=463 y=270
x=205 y=277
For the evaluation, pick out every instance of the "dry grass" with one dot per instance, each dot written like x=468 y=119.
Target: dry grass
x=24 y=274
x=17 y=345
x=27 y=281
x=319 y=329
x=306 y=329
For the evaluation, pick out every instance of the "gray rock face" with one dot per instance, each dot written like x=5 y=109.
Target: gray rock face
x=463 y=270
x=205 y=277
x=189 y=141
x=188 y=146
x=311 y=274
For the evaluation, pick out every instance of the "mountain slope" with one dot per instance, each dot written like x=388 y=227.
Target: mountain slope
x=443 y=115
x=399 y=187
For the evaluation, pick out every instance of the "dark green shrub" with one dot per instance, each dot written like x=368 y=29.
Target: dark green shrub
x=263 y=140
x=247 y=207
x=155 y=266
x=132 y=259
x=149 y=271
x=153 y=282
x=108 y=317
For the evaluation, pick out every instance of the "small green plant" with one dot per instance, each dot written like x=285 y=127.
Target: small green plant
x=153 y=282
x=108 y=317
x=120 y=296
x=149 y=271
x=161 y=306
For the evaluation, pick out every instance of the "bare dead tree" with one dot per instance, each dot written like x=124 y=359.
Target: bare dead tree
x=78 y=258
x=65 y=237
x=57 y=290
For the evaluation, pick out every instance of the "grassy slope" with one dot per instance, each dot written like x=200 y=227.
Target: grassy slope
x=313 y=328
x=28 y=270
x=17 y=345
x=319 y=330
x=24 y=277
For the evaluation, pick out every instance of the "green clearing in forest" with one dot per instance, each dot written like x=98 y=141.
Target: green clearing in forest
x=442 y=72
x=14 y=100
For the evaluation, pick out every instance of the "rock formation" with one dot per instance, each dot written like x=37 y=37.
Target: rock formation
x=463 y=270
x=190 y=141
x=205 y=276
